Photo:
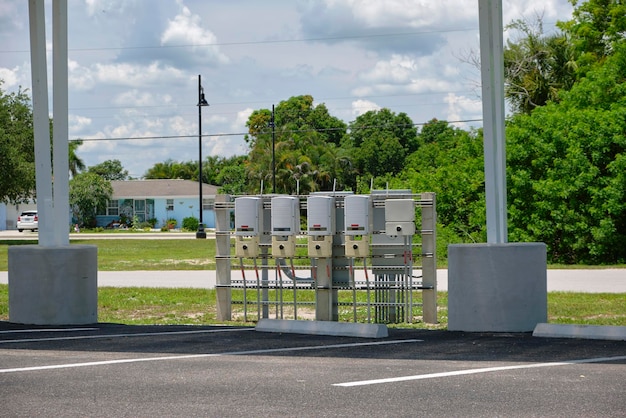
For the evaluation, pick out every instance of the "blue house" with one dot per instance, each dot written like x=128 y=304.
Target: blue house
x=159 y=199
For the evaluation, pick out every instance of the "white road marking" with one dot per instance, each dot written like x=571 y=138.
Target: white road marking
x=142 y=334
x=476 y=371
x=19 y=331
x=196 y=356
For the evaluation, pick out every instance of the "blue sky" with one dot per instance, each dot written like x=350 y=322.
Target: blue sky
x=134 y=65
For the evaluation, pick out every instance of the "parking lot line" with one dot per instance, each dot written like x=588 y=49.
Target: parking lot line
x=20 y=331
x=476 y=371
x=197 y=356
x=136 y=334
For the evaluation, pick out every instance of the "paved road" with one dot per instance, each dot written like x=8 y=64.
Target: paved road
x=586 y=281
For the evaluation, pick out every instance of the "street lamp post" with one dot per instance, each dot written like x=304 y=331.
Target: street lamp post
x=201 y=233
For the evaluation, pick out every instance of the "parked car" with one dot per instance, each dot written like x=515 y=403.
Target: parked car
x=28 y=219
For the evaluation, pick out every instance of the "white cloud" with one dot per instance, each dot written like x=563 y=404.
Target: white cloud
x=131 y=75
x=186 y=29
x=80 y=78
x=400 y=69
x=78 y=124
x=360 y=107
x=460 y=107
x=239 y=125
x=136 y=75
x=10 y=77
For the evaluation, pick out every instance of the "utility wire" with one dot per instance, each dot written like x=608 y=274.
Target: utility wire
x=129 y=138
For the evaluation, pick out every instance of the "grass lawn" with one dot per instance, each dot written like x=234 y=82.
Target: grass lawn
x=197 y=306
x=141 y=254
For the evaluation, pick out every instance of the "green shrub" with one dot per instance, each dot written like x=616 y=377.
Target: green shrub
x=190 y=224
x=171 y=223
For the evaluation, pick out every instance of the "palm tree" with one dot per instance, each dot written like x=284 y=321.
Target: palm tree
x=537 y=67
x=76 y=164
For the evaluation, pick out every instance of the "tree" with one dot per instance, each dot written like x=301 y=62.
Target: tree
x=109 y=170
x=379 y=141
x=89 y=194
x=17 y=164
x=451 y=164
x=537 y=66
x=76 y=164
x=171 y=169
x=596 y=29
x=305 y=138
x=567 y=165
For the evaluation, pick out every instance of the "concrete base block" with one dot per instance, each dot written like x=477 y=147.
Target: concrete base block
x=588 y=332
x=53 y=285
x=339 y=329
x=497 y=287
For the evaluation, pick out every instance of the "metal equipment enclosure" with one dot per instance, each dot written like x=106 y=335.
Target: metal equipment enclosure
x=328 y=257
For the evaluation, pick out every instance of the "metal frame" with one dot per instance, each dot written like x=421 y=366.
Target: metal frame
x=264 y=287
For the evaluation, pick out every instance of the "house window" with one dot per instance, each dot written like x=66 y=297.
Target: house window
x=113 y=208
x=207 y=204
x=169 y=204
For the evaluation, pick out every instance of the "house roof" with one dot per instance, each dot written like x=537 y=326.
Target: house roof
x=160 y=188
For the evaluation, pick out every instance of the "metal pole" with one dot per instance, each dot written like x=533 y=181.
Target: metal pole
x=200 y=145
x=201 y=102
x=41 y=124
x=273 y=153
x=60 y=164
x=492 y=72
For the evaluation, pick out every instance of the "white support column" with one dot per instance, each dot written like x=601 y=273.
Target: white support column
x=53 y=283
x=60 y=133
x=43 y=165
x=492 y=72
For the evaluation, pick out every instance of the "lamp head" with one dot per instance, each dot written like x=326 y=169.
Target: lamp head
x=202 y=101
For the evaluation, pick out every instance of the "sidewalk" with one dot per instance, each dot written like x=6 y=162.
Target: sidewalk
x=579 y=280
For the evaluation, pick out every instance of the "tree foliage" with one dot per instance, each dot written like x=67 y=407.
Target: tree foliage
x=109 y=170
x=89 y=193
x=450 y=163
x=170 y=169
x=380 y=141
x=76 y=163
x=597 y=27
x=537 y=66
x=567 y=165
x=17 y=161
x=301 y=154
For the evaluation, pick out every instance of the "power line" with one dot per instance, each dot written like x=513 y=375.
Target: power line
x=264 y=42
x=129 y=138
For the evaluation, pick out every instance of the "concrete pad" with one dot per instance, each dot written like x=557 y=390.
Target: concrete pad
x=338 y=329
x=589 y=332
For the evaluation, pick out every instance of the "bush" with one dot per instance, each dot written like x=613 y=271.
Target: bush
x=190 y=224
x=171 y=223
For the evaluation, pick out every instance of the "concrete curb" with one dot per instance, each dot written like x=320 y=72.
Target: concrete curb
x=338 y=329
x=589 y=332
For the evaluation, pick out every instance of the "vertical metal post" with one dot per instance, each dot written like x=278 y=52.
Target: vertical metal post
x=41 y=127
x=492 y=74
x=222 y=258
x=60 y=135
x=273 y=125
x=200 y=145
x=429 y=257
x=201 y=102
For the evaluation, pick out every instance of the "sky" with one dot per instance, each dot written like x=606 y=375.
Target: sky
x=134 y=66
